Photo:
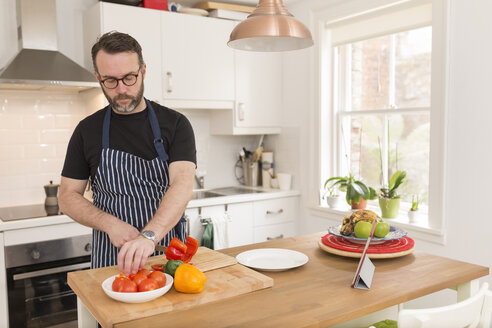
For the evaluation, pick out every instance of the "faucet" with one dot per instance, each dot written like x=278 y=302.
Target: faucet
x=200 y=179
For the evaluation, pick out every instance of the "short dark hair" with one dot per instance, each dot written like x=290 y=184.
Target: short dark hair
x=115 y=42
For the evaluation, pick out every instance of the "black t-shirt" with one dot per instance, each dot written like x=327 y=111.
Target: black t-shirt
x=130 y=133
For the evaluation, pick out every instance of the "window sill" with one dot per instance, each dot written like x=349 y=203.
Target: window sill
x=416 y=230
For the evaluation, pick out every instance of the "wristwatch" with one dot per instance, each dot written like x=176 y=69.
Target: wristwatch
x=149 y=234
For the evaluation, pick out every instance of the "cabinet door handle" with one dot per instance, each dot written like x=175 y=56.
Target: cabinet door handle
x=280 y=211
x=278 y=237
x=240 y=111
x=187 y=218
x=169 y=82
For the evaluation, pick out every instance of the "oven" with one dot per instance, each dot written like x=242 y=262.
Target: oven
x=38 y=293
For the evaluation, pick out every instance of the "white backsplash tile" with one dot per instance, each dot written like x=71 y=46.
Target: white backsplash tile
x=10 y=152
x=37 y=151
x=35 y=127
x=38 y=121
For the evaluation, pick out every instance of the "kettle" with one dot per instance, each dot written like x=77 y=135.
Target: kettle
x=51 y=201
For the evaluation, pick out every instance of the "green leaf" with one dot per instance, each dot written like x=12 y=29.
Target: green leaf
x=334 y=178
x=396 y=180
x=357 y=189
x=363 y=187
x=372 y=194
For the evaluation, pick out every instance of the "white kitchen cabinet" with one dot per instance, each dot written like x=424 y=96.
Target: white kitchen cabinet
x=258 y=95
x=197 y=64
x=141 y=23
x=240 y=224
x=275 y=231
x=275 y=218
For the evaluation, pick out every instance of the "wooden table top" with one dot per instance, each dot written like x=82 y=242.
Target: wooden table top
x=319 y=293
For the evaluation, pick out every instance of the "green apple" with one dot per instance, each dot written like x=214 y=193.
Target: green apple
x=362 y=229
x=382 y=229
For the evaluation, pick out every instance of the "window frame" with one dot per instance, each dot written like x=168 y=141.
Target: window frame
x=324 y=66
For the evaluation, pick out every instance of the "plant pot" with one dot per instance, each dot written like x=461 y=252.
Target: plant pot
x=333 y=201
x=360 y=205
x=389 y=207
x=413 y=216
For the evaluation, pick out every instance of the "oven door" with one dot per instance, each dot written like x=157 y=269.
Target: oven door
x=39 y=296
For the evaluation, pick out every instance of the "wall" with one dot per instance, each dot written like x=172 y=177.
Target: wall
x=34 y=131
x=468 y=222
x=35 y=127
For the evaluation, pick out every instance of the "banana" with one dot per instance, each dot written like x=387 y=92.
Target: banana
x=350 y=220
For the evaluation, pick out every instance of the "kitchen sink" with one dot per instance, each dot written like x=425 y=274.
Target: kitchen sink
x=229 y=191
x=200 y=194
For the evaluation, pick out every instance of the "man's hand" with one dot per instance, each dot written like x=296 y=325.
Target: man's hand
x=122 y=232
x=134 y=253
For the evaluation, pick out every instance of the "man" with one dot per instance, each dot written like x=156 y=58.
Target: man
x=140 y=158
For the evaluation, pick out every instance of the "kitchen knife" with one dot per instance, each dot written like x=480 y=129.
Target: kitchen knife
x=160 y=248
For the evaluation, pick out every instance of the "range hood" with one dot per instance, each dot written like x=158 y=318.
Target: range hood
x=39 y=64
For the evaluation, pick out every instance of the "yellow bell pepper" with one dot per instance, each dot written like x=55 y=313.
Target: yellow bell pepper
x=188 y=279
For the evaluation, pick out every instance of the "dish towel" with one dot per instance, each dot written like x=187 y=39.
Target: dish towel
x=208 y=236
x=221 y=231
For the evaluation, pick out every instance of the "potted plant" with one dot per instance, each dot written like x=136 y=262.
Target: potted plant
x=332 y=197
x=389 y=199
x=357 y=193
x=413 y=212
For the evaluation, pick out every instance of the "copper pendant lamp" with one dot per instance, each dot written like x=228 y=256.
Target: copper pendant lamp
x=270 y=27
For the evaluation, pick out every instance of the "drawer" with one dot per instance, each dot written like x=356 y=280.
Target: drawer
x=275 y=231
x=275 y=211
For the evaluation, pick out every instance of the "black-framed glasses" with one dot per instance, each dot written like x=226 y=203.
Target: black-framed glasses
x=128 y=80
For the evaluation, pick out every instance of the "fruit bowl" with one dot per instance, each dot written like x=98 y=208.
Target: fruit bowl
x=137 y=297
x=394 y=233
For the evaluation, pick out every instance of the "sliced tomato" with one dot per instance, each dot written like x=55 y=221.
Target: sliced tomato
x=118 y=283
x=144 y=272
x=139 y=277
x=148 y=284
x=129 y=286
x=158 y=267
x=159 y=277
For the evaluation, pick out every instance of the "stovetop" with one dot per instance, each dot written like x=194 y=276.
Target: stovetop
x=27 y=212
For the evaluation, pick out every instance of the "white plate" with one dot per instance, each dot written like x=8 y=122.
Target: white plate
x=138 y=297
x=193 y=11
x=272 y=259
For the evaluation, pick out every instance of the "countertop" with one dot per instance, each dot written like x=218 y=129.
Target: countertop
x=239 y=198
x=318 y=294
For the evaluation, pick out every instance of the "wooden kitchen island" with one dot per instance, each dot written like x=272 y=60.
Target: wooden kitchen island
x=317 y=294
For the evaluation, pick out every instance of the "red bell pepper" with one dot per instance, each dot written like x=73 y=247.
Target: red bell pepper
x=191 y=248
x=175 y=250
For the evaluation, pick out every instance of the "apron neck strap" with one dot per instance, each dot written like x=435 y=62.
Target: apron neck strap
x=154 y=124
x=156 y=131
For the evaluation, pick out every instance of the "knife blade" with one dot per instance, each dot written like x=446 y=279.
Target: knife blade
x=160 y=248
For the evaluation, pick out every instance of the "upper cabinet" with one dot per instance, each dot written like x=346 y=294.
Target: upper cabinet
x=141 y=23
x=197 y=64
x=258 y=95
x=189 y=65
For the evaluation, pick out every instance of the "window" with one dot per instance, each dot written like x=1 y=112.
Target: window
x=383 y=106
x=382 y=92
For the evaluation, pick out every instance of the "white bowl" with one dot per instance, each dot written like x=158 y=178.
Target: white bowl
x=137 y=297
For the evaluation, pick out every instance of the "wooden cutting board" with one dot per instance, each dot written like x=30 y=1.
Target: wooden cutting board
x=225 y=278
x=210 y=5
x=205 y=259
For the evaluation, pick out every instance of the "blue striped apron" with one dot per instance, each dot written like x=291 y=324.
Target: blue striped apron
x=130 y=188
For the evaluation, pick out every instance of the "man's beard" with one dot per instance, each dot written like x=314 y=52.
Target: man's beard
x=131 y=106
